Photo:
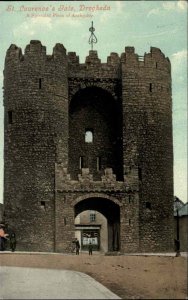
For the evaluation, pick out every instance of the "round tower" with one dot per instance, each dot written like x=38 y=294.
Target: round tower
x=36 y=124
x=148 y=145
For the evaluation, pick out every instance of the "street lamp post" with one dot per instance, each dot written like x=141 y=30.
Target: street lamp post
x=177 y=206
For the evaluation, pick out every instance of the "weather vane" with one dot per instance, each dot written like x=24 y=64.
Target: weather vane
x=92 y=39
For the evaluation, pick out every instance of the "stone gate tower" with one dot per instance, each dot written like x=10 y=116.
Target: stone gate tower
x=84 y=136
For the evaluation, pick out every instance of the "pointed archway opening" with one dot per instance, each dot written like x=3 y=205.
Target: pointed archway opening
x=111 y=211
x=95 y=133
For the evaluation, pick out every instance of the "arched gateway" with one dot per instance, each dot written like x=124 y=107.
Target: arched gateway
x=92 y=195
x=88 y=136
x=110 y=209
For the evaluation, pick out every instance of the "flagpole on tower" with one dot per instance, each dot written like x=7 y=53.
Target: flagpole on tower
x=93 y=38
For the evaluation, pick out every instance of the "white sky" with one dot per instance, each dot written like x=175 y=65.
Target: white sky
x=141 y=24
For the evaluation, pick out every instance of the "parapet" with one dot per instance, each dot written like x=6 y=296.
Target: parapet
x=157 y=59
x=129 y=50
x=14 y=53
x=73 y=58
x=59 y=50
x=129 y=57
x=156 y=52
x=154 y=59
x=92 y=58
x=35 y=47
x=113 y=59
x=32 y=50
x=85 y=181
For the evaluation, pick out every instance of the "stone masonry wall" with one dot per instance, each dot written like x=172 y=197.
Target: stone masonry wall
x=44 y=185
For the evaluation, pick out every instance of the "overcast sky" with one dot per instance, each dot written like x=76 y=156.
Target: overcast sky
x=141 y=24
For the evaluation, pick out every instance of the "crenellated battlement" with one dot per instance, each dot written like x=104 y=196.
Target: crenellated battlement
x=113 y=59
x=154 y=59
x=35 y=47
x=85 y=181
x=34 y=50
x=14 y=53
x=73 y=58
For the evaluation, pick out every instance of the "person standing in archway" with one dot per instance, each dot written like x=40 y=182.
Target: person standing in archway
x=77 y=246
x=90 y=247
x=13 y=241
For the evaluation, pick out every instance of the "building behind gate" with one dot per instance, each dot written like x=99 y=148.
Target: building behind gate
x=88 y=136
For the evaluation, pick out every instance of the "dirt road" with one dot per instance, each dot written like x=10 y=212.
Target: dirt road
x=130 y=277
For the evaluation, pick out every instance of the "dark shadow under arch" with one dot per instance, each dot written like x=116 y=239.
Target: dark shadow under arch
x=96 y=110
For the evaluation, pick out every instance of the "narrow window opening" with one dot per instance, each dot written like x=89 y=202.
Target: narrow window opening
x=65 y=221
x=156 y=65
x=43 y=204
x=129 y=222
x=89 y=136
x=92 y=216
x=129 y=198
x=81 y=162
x=150 y=87
x=9 y=117
x=148 y=205
x=98 y=163
x=40 y=83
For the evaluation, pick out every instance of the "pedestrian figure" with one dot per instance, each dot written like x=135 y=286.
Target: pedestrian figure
x=13 y=242
x=3 y=237
x=77 y=246
x=73 y=246
x=90 y=248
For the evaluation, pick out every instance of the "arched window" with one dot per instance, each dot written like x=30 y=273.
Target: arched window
x=89 y=136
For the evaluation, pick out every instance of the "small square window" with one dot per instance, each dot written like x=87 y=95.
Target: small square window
x=92 y=217
x=148 y=205
x=43 y=204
